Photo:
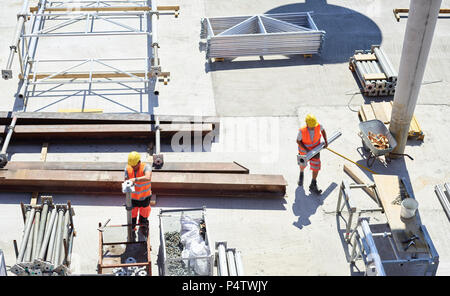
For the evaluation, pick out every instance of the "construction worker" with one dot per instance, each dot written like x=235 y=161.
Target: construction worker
x=309 y=137
x=140 y=174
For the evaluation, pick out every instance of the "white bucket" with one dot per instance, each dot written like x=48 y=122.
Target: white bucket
x=409 y=207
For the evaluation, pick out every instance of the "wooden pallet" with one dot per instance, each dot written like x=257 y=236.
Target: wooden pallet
x=382 y=111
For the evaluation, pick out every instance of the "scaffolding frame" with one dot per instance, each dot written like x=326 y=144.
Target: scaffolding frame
x=359 y=237
x=144 y=13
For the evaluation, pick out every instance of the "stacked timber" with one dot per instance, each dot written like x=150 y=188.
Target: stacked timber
x=375 y=72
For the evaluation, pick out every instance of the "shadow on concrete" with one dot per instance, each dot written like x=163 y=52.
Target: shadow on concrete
x=305 y=205
x=354 y=270
x=346 y=31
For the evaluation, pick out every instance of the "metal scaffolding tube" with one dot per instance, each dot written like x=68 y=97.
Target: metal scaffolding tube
x=65 y=238
x=238 y=262
x=59 y=236
x=231 y=263
x=37 y=222
x=372 y=249
x=223 y=269
x=29 y=249
x=42 y=225
x=28 y=225
x=47 y=235
x=443 y=198
x=3 y=154
x=51 y=244
x=7 y=72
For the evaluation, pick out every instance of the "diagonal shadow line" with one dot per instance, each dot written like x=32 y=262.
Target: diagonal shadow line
x=112 y=101
x=37 y=110
x=44 y=91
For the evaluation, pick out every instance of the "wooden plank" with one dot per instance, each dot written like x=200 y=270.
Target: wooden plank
x=368 y=111
x=378 y=110
x=81 y=110
x=387 y=111
x=163 y=183
x=365 y=57
x=388 y=188
x=360 y=178
x=194 y=167
x=374 y=76
x=44 y=151
x=34 y=198
x=362 y=114
x=153 y=200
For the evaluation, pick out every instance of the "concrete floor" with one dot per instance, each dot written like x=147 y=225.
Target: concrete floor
x=261 y=104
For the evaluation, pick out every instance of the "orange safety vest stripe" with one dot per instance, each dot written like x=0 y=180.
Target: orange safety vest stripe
x=306 y=139
x=143 y=188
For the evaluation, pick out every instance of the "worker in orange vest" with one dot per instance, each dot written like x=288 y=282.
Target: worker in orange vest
x=309 y=137
x=140 y=174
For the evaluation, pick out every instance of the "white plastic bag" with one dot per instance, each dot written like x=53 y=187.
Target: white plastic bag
x=201 y=266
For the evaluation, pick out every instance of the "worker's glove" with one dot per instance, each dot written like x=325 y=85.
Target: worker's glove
x=325 y=145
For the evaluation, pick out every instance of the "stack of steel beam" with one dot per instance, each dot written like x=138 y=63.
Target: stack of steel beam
x=444 y=197
x=229 y=261
x=47 y=240
x=375 y=72
x=259 y=35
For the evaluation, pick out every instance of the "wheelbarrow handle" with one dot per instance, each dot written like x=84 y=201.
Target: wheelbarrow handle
x=402 y=154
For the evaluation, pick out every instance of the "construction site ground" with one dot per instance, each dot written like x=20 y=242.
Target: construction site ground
x=261 y=103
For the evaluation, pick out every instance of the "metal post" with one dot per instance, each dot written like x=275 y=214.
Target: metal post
x=373 y=252
x=63 y=256
x=3 y=154
x=231 y=263
x=37 y=222
x=239 y=264
x=29 y=249
x=47 y=235
x=42 y=225
x=128 y=188
x=28 y=224
x=416 y=46
x=59 y=235
x=223 y=269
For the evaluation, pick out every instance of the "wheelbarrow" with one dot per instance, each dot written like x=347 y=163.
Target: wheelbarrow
x=377 y=127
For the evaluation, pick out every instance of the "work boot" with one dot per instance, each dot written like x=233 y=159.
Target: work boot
x=300 y=179
x=133 y=224
x=313 y=187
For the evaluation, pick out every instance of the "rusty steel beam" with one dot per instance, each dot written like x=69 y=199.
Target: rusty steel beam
x=163 y=183
x=193 y=167
x=104 y=130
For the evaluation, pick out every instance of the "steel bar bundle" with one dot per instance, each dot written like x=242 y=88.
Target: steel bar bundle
x=444 y=197
x=259 y=35
x=375 y=72
x=229 y=260
x=47 y=240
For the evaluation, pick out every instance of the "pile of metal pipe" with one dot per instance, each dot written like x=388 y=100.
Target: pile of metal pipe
x=229 y=260
x=444 y=197
x=382 y=65
x=47 y=240
x=260 y=35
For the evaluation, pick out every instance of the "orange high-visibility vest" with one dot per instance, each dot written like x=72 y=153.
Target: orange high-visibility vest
x=142 y=188
x=306 y=139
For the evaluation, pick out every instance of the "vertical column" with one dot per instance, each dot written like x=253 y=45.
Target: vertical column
x=416 y=46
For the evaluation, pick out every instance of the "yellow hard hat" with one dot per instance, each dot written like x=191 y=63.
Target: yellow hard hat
x=133 y=158
x=311 y=120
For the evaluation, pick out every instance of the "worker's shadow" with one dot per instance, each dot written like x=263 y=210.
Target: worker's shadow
x=306 y=203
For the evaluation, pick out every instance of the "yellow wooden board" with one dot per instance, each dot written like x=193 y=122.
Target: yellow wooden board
x=378 y=109
x=368 y=112
x=374 y=76
x=388 y=188
x=365 y=57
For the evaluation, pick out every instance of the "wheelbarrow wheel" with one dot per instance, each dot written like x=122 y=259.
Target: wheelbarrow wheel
x=371 y=160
